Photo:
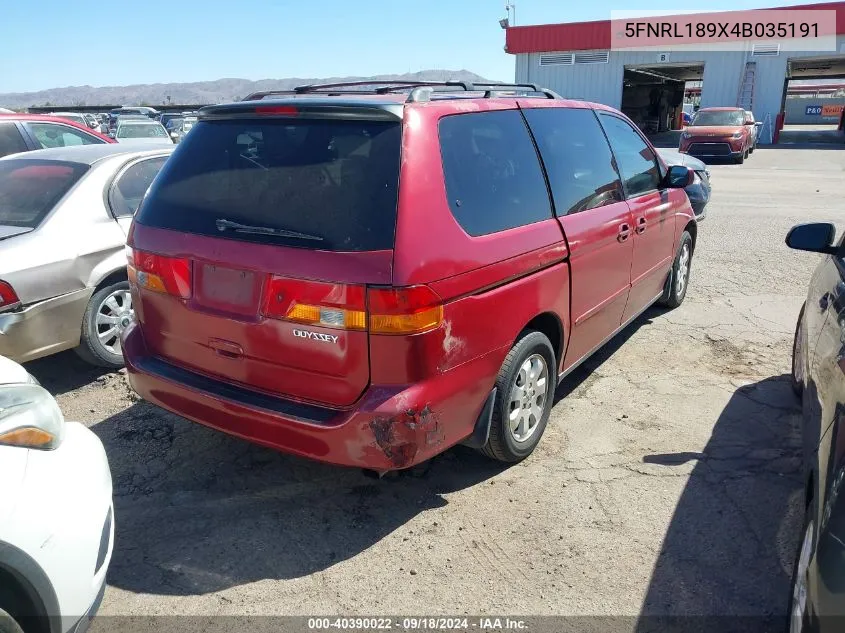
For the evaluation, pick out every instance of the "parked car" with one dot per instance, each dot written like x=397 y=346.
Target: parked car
x=699 y=191
x=27 y=132
x=166 y=117
x=818 y=375
x=72 y=116
x=720 y=132
x=149 y=113
x=180 y=127
x=63 y=224
x=56 y=514
x=92 y=121
x=141 y=133
x=753 y=129
x=370 y=280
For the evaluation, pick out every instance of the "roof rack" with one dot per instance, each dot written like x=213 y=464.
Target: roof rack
x=419 y=91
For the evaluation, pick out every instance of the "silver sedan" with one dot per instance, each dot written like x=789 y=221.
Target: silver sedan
x=64 y=216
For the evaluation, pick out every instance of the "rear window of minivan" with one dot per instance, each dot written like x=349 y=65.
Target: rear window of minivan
x=333 y=182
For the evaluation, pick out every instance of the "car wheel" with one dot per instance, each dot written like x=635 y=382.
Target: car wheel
x=676 y=285
x=797 y=356
x=8 y=624
x=108 y=313
x=524 y=397
x=798 y=596
x=740 y=158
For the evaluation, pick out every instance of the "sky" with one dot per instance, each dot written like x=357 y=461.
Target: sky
x=55 y=43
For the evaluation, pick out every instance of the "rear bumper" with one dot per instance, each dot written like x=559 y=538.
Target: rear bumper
x=391 y=427
x=43 y=328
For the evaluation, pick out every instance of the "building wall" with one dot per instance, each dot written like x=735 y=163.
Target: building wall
x=796 y=110
x=723 y=71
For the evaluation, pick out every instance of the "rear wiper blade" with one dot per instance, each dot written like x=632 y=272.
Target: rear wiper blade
x=227 y=225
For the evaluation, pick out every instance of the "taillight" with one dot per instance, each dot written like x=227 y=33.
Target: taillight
x=381 y=310
x=289 y=110
x=404 y=310
x=316 y=303
x=158 y=273
x=8 y=296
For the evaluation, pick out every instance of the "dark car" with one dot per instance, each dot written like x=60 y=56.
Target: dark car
x=27 y=132
x=719 y=132
x=369 y=279
x=817 y=601
x=699 y=191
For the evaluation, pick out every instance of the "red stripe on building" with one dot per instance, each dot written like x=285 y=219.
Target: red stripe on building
x=584 y=36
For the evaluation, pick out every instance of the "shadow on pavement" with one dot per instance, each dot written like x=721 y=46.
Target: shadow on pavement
x=64 y=372
x=197 y=511
x=730 y=543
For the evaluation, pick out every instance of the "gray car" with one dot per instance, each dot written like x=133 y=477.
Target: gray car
x=699 y=191
x=64 y=216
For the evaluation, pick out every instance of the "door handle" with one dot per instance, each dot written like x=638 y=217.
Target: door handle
x=624 y=232
x=226 y=349
x=641 y=225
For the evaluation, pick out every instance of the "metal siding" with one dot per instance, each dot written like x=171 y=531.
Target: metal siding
x=723 y=71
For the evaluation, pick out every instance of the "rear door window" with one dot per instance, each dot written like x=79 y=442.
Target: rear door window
x=578 y=160
x=57 y=135
x=327 y=184
x=30 y=188
x=129 y=188
x=11 y=141
x=493 y=176
x=636 y=160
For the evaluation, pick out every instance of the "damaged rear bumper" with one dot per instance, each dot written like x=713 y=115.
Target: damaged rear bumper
x=391 y=427
x=43 y=328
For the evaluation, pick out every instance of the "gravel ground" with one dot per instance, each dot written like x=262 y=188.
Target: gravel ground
x=668 y=481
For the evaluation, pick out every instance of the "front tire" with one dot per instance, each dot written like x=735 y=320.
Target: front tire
x=524 y=398
x=740 y=158
x=799 y=614
x=108 y=313
x=676 y=285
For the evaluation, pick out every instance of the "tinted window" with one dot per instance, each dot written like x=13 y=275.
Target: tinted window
x=493 y=176
x=30 y=188
x=719 y=117
x=140 y=130
x=132 y=184
x=56 y=135
x=636 y=160
x=332 y=179
x=11 y=141
x=578 y=160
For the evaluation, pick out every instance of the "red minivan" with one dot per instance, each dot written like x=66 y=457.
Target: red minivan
x=369 y=278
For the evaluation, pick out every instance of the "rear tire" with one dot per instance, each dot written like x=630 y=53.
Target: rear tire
x=798 y=611
x=106 y=316
x=524 y=398
x=676 y=285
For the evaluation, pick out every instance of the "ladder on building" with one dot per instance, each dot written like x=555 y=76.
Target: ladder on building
x=745 y=98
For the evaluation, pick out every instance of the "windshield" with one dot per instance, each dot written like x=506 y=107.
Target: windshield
x=30 y=188
x=719 y=117
x=336 y=179
x=140 y=130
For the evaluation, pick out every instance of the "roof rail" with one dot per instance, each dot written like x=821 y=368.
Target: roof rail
x=420 y=91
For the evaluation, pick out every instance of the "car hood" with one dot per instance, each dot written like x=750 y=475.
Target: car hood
x=11 y=231
x=673 y=157
x=713 y=130
x=158 y=140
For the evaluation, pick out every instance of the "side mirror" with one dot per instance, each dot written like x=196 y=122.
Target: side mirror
x=815 y=237
x=679 y=177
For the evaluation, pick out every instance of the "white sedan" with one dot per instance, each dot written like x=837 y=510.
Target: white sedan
x=139 y=132
x=56 y=513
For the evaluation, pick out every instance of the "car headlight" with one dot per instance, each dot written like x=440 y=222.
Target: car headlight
x=30 y=417
x=737 y=135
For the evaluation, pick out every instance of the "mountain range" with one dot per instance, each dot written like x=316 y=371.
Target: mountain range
x=200 y=92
